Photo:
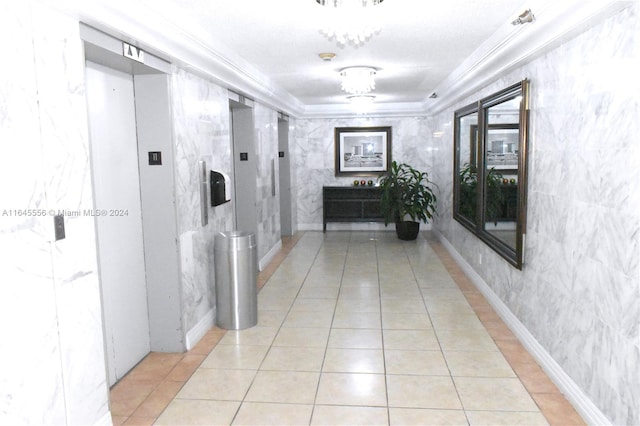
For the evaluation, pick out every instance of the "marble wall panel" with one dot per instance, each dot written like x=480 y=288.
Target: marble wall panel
x=50 y=314
x=313 y=155
x=267 y=204
x=579 y=291
x=201 y=132
x=294 y=165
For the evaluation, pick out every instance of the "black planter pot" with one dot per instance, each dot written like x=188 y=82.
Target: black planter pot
x=407 y=231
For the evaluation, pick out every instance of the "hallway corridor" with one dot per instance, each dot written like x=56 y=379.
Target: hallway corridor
x=354 y=328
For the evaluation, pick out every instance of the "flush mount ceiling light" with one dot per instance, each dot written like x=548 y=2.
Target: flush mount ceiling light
x=327 y=56
x=349 y=21
x=358 y=80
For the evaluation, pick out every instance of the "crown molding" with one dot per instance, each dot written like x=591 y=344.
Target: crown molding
x=400 y=109
x=509 y=47
x=513 y=46
x=143 y=27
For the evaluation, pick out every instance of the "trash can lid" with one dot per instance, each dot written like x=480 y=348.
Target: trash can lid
x=234 y=240
x=234 y=234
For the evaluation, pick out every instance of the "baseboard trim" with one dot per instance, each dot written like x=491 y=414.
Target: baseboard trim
x=309 y=227
x=200 y=329
x=267 y=258
x=580 y=401
x=355 y=226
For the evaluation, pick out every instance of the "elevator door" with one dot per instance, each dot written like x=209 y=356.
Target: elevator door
x=285 y=178
x=116 y=188
x=245 y=167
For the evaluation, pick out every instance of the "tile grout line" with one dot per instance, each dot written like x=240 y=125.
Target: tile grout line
x=424 y=301
x=272 y=267
x=335 y=308
x=261 y=281
x=468 y=291
x=285 y=318
x=467 y=288
x=384 y=357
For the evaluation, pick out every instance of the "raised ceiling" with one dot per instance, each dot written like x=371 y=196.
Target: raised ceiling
x=421 y=42
x=268 y=50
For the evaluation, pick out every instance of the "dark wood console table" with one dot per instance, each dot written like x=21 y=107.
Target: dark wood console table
x=351 y=204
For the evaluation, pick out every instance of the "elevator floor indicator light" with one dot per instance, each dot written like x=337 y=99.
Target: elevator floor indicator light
x=132 y=52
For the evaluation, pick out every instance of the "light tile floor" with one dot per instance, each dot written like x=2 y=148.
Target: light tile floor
x=354 y=328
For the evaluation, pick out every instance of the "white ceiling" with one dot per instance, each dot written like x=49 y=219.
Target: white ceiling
x=268 y=50
x=421 y=42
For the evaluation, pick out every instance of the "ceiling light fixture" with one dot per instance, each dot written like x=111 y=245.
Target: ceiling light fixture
x=524 y=18
x=361 y=99
x=327 y=56
x=362 y=104
x=349 y=21
x=358 y=80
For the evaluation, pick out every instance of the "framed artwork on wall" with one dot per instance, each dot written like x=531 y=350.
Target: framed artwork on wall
x=362 y=151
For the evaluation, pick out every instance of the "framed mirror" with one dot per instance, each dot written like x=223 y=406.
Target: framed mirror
x=490 y=176
x=465 y=183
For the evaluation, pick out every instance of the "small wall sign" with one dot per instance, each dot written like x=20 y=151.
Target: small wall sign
x=155 y=158
x=132 y=52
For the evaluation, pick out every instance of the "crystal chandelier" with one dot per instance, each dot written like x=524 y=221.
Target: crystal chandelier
x=358 y=80
x=349 y=21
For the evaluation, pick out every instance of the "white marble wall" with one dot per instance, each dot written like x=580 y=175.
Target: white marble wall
x=201 y=132
x=314 y=162
x=53 y=369
x=267 y=204
x=294 y=166
x=579 y=291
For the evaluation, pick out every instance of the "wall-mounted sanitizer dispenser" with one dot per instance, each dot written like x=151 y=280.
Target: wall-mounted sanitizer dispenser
x=220 y=188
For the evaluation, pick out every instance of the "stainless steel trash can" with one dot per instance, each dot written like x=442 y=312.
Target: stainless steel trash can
x=236 y=269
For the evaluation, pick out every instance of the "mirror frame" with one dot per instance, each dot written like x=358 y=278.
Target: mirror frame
x=469 y=223
x=513 y=255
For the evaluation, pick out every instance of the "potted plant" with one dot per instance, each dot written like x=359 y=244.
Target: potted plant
x=407 y=199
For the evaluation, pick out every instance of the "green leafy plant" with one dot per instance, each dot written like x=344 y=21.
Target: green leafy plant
x=469 y=193
x=495 y=197
x=407 y=193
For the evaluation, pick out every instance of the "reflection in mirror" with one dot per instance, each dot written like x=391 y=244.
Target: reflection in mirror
x=466 y=165
x=501 y=163
x=490 y=170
